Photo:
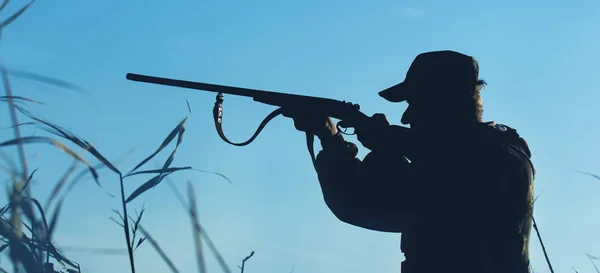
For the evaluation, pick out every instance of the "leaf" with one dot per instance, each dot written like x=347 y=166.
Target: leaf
x=167 y=170
x=64 y=133
x=16 y=15
x=172 y=156
x=140 y=242
x=28 y=180
x=590 y=174
x=119 y=213
x=7 y=98
x=146 y=186
x=164 y=144
x=175 y=169
x=117 y=222
x=592 y=257
x=136 y=224
x=4 y=3
x=215 y=173
x=40 y=210
x=57 y=144
x=139 y=218
x=80 y=175
x=20 y=125
x=61 y=132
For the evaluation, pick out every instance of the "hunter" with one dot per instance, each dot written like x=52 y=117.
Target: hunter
x=459 y=190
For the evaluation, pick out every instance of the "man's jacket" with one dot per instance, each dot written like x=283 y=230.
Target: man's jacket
x=462 y=206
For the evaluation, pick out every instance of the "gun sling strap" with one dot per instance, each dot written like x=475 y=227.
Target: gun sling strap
x=218 y=118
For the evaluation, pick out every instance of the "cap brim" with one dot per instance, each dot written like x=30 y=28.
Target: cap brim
x=396 y=93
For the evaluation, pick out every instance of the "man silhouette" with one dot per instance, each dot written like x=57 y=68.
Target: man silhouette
x=459 y=190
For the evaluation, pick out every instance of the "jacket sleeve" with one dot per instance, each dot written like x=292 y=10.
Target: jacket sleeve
x=374 y=193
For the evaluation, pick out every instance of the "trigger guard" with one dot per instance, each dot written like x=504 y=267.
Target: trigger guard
x=340 y=127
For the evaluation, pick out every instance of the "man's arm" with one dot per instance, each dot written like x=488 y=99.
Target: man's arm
x=375 y=193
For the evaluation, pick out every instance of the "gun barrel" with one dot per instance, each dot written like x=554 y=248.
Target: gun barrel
x=334 y=108
x=246 y=92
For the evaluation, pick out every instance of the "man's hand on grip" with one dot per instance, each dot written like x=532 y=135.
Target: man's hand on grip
x=372 y=132
x=321 y=126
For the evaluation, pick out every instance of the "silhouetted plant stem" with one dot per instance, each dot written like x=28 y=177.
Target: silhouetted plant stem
x=126 y=225
x=18 y=183
x=244 y=261
x=542 y=243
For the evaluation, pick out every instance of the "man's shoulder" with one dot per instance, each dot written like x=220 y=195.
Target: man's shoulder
x=505 y=147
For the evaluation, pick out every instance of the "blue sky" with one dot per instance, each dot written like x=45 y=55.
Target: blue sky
x=539 y=57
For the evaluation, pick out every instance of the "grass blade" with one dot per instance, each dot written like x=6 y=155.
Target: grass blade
x=64 y=133
x=167 y=170
x=94 y=250
x=204 y=234
x=159 y=250
x=164 y=144
x=57 y=144
x=592 y=258
x=215 y=173
x=172 y=155
x=97 y=167
x=54 y=219
x=18 y=252
x=136 y=223
x=174 y=169
x=4 y=3
x=20 y=125
x=18 y=98
x=214 y=250
x=13 y=17
x=140 y=242
x=44 y=79
x=146 y=186
x=40 y=210
x=196 y=228
x=590 y=174
x=61 y=183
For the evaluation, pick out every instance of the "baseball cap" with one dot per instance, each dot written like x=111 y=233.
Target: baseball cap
x=445 y=67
